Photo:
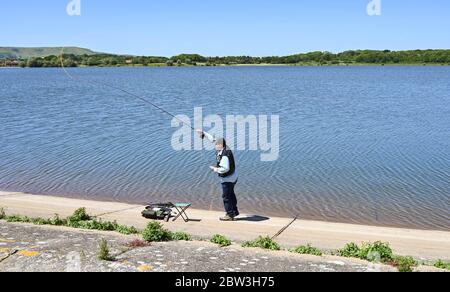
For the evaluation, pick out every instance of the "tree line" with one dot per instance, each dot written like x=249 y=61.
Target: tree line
x=311 y=58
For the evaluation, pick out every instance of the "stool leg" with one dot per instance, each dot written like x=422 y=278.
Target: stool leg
x=182 y=214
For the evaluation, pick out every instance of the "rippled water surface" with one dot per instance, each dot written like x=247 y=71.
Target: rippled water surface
x=358 y=144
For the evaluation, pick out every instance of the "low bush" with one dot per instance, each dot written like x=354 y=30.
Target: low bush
x=18 y=219
x=221 y=240
x=80 y=215
x=308 y=249
x=80 y=219
x=373 y=252
x=376 y=252
x=263 y=242
x=379 y=252
x=155 y=232
x=440 y=264
x=404 y=264
x=126 y=230
x=103 y=251
x=181 y=236
x=350 y=250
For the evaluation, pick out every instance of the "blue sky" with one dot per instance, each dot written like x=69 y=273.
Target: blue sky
x=227 y=27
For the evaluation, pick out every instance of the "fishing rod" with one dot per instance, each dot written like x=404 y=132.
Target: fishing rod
x=144 y=100
x=10 y=254
x=285 y=227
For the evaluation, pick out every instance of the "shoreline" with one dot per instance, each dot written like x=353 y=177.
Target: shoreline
x=157 y=65
x=220 y=212
x=421 y=244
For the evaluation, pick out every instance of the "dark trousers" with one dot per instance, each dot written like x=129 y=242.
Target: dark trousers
x=229 y=199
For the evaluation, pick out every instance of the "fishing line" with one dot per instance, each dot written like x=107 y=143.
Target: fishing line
x=142 y=99
x=122 y=90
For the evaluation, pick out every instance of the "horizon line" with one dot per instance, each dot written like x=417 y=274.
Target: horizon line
x=212 y=56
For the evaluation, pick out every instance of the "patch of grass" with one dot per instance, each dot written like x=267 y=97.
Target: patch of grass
x=80 y=219
x=263 y=242
x=18 y=219
x=58 y=221
x=440 y=264
x=94 y=225
x=404 y=264
x=308 y=249
x=379 y=252
x=181 y=236
x=155 y=232
x=103 y=251
x=103 y=226
x=350 y=250
x=221 y=240
x=40 y=221
x=376 y=252
x=373 y=252
x=2 y=213
x=80 y=215
x=126 y=230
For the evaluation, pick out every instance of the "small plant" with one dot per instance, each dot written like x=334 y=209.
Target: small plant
x=39 y=221
x=308 y=249
x=80 y=219
x=57 y=221
x=221 y=240
x=350 y=250
x=404 y=264
x=80 y=215
x=440 y=264
x=263 y=242
x=376 y=252
x=381 y=252
x=181 y=236
x=373 y=252
x=126 y=230
x=2 y=213
x=103 y=251
x=138 y=243
x=155 y=232
x=18 y=219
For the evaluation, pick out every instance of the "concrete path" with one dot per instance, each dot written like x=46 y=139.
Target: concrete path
x=55 y=249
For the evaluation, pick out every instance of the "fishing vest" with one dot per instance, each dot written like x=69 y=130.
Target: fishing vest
x=227 y=152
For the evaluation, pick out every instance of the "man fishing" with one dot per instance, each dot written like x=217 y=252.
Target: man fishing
x=226 y=170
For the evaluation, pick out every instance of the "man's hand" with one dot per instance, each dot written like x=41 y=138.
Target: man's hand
x=213 y=168
x=200 y=133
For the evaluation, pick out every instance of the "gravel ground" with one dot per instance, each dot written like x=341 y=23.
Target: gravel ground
x=29 y=248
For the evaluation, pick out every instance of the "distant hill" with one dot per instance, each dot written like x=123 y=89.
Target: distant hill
x=17 y=52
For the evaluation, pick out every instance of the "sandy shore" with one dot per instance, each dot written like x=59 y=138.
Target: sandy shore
x=421 y=244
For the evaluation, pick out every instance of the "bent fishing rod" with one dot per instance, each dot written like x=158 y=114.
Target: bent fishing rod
x=138 y=97
x=142 y=99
